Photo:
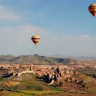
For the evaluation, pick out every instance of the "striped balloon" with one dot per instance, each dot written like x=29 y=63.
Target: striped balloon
x=92 y=9
x=35 y=39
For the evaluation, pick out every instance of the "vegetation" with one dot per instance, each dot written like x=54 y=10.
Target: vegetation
x=1 y=78
x=29 y=86
x=89 y=72
x=36 y=88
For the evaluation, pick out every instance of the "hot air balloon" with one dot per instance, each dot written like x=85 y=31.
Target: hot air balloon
x=35 y=39
x=92 y=9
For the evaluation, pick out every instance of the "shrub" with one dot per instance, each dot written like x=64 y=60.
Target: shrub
x=37 y=88
x=1 y=90
x=1 y=78
x=12 y=88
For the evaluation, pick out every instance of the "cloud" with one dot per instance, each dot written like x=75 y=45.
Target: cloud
x=7 y=14
x=85 y=37
x=17 y=41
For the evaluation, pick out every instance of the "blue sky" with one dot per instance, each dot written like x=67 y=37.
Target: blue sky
x=57 y=18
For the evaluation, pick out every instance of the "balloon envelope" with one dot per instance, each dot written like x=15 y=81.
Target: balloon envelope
x=92 y=9
x=35 y=39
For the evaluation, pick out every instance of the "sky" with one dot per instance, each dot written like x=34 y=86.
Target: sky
x=65 y=26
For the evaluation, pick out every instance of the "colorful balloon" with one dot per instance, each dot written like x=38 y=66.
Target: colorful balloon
x=92 y=9
x=35 y=39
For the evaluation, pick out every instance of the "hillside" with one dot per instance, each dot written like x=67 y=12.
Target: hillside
x=36 y=59
x=27 y=85
x=30 y=84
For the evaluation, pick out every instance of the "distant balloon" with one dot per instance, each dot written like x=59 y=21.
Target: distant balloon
x=92 y=9
x=35 y=39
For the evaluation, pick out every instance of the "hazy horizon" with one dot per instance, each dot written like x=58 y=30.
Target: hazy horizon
x=57 y=55
x=68 y=29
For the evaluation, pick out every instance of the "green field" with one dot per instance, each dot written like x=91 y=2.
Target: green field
x=28 y=93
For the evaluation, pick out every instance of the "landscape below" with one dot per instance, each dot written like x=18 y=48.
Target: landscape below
x=34 y=75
